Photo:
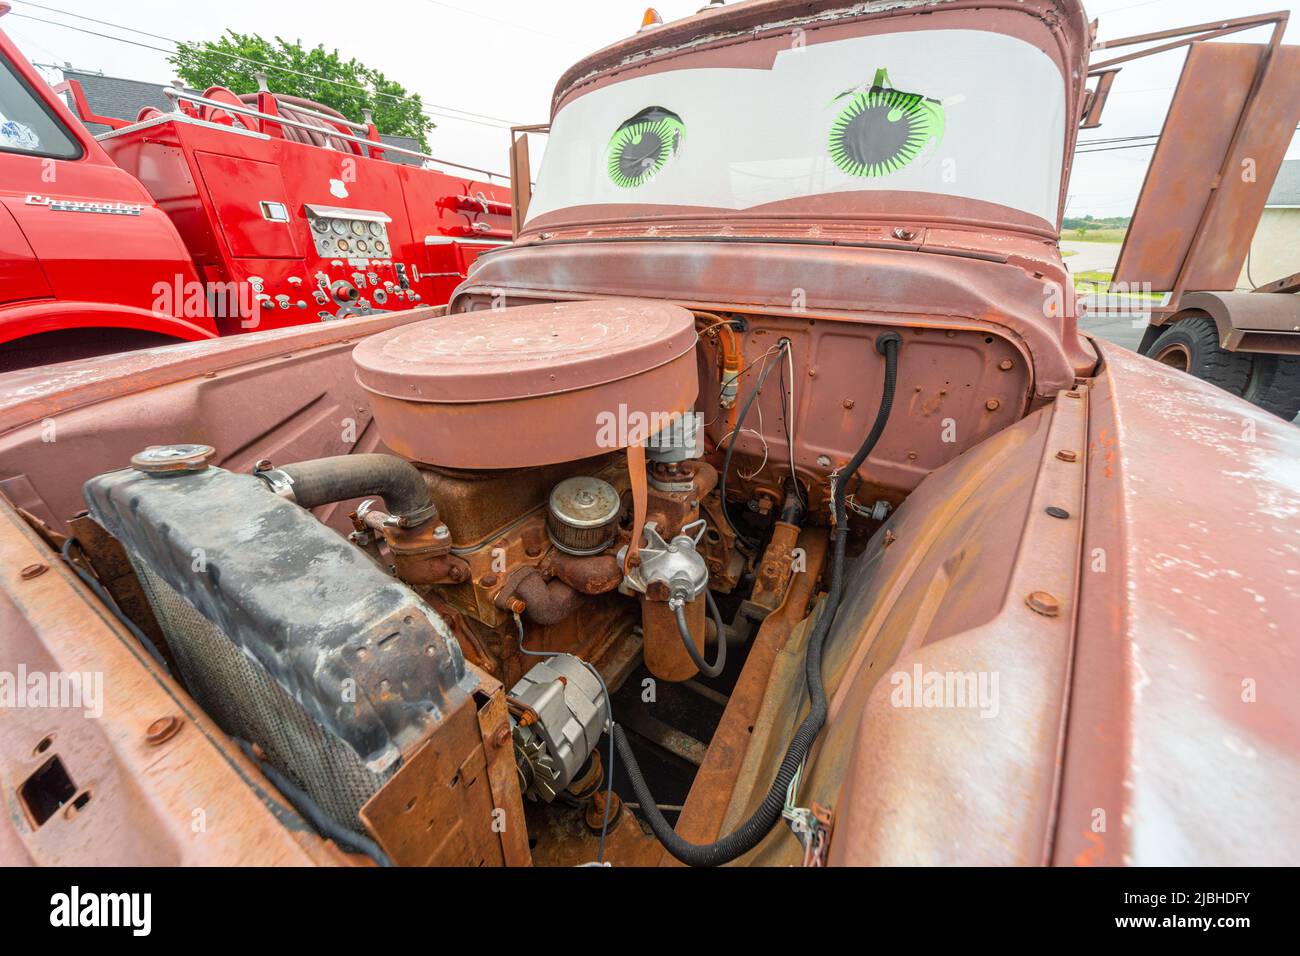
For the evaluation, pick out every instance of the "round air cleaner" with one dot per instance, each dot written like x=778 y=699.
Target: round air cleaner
x=583 y=515
x=530 y=385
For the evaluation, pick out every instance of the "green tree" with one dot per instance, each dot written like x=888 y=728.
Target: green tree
x=316 y=74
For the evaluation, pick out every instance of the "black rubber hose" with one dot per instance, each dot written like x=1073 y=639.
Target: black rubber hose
x=748 y=835
x=684 y=629
x=324 y=481
x=793 y=510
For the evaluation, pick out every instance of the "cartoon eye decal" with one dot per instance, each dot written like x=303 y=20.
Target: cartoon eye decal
x=641 y=147
x=881 y=130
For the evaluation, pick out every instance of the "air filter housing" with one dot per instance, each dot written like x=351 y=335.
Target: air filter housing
x=582 y=517
x=530 y=385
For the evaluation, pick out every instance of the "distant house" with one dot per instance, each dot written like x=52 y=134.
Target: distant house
x=1275 y=250
x=123 y=99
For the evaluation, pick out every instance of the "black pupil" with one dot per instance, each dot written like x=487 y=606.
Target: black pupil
x=635 y=158
x=870 y=137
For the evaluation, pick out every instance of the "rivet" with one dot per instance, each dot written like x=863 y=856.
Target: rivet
x=993 y=404
x=162 y=730
x=848 y=403
x=1006 y=365
x=33 y=571
x=1044 y=603
x=1056 y=512
x=1066 y=455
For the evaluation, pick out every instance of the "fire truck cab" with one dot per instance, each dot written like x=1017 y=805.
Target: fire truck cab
x=228 y=214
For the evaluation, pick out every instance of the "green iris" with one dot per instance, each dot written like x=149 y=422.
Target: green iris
x=642 y=146
x=881 y=130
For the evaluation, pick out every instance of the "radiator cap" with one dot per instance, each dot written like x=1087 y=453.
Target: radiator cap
x=172 y=459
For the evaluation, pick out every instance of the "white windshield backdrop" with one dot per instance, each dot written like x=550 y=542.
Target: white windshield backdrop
x=756 y=136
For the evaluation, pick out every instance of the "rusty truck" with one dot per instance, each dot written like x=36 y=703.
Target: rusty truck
x=762 y=503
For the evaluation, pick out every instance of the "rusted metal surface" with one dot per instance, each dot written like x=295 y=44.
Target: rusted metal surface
x=1247 y=322
x=1182 y=36
x=438 y=809
x=190 y=798
x=968 y=318
x=715 y=782
x=1181 y=747
x=1288 y=284
x=665 y=655
x=947 y=597
x=564 y=838
x=777 y=569
x=1227 y=130
x=110 y=565
x=503 y=775
x=676 y=742
x=1096 y=100
x=56 y=429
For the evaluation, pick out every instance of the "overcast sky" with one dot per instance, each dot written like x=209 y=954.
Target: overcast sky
x=501 y=58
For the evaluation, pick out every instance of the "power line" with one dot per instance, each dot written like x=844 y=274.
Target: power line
x=491 y=121
x=1104 y=145
x=1111 y=149
x=508 y=23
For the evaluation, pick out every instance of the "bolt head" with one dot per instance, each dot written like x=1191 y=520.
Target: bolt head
x=1043 y=603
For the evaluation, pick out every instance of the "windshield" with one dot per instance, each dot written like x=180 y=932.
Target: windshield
x=957 y=113
x=26 y=125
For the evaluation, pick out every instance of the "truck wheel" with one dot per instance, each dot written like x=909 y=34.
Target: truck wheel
x=1192 y=345
x=1275 y=385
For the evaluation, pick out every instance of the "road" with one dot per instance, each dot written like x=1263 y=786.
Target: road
x=1090 y=256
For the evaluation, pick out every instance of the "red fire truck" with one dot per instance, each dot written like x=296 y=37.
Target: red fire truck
x=226 y=215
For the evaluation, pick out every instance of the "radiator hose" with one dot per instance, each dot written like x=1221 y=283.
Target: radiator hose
x=323 y=481
x=748 y=835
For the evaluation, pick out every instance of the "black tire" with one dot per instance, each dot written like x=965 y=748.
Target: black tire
x=1192 y=345
x=1275 y=385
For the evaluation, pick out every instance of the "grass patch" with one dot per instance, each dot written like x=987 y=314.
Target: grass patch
x=1094 y=235
x=1096 y=280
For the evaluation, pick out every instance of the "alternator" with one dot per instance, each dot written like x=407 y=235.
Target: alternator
x=571 y=713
